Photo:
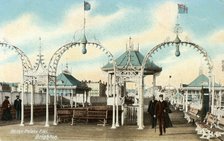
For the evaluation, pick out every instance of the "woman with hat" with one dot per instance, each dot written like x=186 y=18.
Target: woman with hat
x=6 y=107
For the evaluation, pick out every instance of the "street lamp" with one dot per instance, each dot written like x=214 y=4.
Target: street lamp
x=177 y=42
x=83 y=44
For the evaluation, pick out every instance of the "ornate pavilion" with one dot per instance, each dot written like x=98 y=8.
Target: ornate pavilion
x=71 y=88
x=128 y=67
x=192 y=92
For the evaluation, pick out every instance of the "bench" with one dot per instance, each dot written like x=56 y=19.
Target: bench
x=64 y=114
x=211 y=127
x=79 y=114
x=99 y=113
x=192 y=114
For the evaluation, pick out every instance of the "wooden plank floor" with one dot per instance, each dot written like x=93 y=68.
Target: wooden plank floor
x=182 y=131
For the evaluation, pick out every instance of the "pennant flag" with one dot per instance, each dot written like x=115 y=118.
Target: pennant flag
x=87 y=6
x=182 y=9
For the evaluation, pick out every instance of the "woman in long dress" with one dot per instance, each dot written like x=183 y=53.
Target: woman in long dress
x=168 y=122
x=6 y=107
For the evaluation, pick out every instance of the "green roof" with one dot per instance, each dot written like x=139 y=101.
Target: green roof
x=65 y=79
x=133 y=59
x=201 y=80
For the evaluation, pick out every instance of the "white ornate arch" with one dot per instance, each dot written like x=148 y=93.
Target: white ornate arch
x=53 y=64
x=177 y=42
x=26 y=66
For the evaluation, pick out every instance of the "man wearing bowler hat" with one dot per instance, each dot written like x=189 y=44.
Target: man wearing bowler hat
x=160 y=114
x=17 y=106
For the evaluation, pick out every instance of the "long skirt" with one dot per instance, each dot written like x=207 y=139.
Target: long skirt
x=6 y=115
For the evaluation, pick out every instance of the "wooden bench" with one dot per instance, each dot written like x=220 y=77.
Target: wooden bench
x=211 y=127
x=192 y=114
x=99 y=113
x=64 y=114
x=79 y=114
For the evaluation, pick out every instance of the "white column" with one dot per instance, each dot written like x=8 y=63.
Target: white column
x=22 y=106
x=141 y=103
x=31 y=104
x=71 y=100
x=186 y=102
x=72 y=97
x=117 y=105
x=108 y=84
x=154 y=84
x=47 y=110
x=114 y=91
x=55 y=103
x=213 y=94
x=62 y=93
x=122 y=105
x=76 y=99
x=83 y=98
x=183 y=102
x=111 y=87
x=220 y=99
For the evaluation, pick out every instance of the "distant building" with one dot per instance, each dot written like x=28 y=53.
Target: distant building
x=98 y=88
x=194 y=90
x=5 y=87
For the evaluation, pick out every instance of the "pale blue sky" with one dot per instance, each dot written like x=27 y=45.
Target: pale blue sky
x=112 y=22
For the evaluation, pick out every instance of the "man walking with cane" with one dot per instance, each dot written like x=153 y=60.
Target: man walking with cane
x=160 y=114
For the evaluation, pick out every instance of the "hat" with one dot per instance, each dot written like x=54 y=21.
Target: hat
x=17 y=95
x=160 y=95
x=6 y=96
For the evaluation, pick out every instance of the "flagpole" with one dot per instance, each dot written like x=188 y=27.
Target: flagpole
x=84 y=20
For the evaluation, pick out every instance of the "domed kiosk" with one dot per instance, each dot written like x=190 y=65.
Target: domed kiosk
x=127 y=70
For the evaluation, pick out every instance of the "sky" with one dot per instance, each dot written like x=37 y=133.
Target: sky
x=111 y=23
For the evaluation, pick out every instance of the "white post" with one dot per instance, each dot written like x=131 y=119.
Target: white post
x=122 y=105
x=183 y=102
x=72 y=97
x=83 y=98
x=22 y=106
x=47 y=110
x=71 y=100
x=75 y=99
x=114 y=91
x=55 y=103
x=31 y=104
x=213 y=94
x=108 y=84
x=154 y=84
x=117 y=105
x=220 y=99
x=186 y=102
x=141 y=102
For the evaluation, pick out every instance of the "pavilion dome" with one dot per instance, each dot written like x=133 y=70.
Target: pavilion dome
x=132 y=60
x=201 y=80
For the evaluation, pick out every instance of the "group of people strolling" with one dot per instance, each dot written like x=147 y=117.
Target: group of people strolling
x=159 y=111
x=6 y=108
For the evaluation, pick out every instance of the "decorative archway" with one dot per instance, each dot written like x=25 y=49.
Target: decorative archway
x=53 y=64
x=26 y=77
x=177 y=42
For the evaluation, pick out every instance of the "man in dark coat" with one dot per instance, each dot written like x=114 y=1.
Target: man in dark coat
x=17 y=106
x=151 y=110
x=160 y=114
x=6 y=107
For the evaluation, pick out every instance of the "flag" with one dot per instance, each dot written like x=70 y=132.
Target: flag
x=182 y=9
x=87 y=6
